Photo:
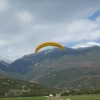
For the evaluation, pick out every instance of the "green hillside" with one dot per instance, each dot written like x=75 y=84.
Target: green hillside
x=14 y=87
x=73 y=78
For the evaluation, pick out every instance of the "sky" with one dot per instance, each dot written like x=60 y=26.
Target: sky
x=24 y=24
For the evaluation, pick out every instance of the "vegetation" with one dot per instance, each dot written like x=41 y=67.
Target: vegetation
x=82 y=97
x=73 y=78
x=77 y=71
x=84 y=91
x=70 y=97
x=25 y=98
x=15 y=88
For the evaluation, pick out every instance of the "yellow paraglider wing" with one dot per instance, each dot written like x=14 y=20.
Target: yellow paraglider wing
x=49 y=44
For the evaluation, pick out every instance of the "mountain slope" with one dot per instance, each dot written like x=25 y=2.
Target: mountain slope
x=77 y=77
x=29 y=62
x=2 y=74
x=35 y=67
x=23 y=64
x=15 y=88
x=3 y=67
x=5 y=60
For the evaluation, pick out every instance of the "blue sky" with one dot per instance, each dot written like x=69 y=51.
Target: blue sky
x=24 y=24
x=94 y=16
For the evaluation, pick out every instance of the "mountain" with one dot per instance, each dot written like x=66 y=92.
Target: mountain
x=5 y=61
x=28 y=62
x=2 y=74
x=73 y=78
x=78 y=64
x=3 y=67
x=3 y=70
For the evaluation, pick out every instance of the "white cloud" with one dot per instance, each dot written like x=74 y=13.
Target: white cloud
x=79 y=30
x=28 y=23
x=76 y=31
x=25 y=16
x=81 y=25
x=89 y=44
x=98 y=20
x=3 y=5
x=2 y=43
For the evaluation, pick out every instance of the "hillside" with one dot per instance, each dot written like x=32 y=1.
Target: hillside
x=14 y=87
x=2 y=74
x=73 y=78
x=5 y=61
x=35 y=67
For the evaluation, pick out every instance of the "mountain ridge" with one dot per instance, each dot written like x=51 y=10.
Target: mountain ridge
x=35 y=67
x=7 y=61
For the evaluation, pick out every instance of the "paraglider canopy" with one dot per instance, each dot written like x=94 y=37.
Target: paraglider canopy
x=55 y=44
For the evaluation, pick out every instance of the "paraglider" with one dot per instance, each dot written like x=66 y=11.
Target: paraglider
x=50 y=67
x=55 y=44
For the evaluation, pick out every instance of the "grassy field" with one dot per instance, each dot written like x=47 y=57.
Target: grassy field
x=26 y=98
x=83 y=97
x=72 y=97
